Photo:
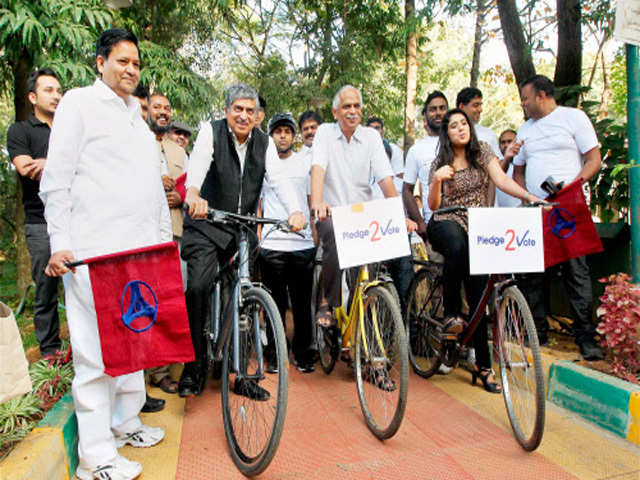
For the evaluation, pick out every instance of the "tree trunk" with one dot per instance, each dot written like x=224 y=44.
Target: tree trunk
x=518 y=50
x=603 y=111
x=569 y=61
x=481 y=11
x=21 y=70
x=411 y=72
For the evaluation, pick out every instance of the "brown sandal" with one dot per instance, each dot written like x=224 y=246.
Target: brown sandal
x=166 y=385
x=453 y=324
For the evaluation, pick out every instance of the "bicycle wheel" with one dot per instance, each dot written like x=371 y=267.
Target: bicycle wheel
x=520 y=369
x=382 y=367
x=253 y=426
x=423 y=305
x=327 y=338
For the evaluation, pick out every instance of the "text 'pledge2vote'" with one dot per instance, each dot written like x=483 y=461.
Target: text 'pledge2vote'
x=374 y=233
x=511 y=241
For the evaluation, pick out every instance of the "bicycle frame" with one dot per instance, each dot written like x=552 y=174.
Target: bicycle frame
x=347 y=322
x=218 y=335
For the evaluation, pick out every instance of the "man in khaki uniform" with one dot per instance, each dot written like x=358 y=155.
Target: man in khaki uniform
x=173 y=158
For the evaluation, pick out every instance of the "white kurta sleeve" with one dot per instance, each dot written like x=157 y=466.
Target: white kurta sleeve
x=201 y=157
x=65 y=146
x=276 y=176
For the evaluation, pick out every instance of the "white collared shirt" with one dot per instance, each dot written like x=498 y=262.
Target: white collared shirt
x=349 y=166
x=485 y=134
x=101 y=184
x=201 y=160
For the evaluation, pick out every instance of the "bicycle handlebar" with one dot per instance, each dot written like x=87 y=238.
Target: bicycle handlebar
x=221 y=216
x=458 y=208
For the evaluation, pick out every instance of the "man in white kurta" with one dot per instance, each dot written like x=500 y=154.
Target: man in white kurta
x=102 y=193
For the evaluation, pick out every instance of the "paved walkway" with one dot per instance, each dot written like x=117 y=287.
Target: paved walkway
x=451 y=431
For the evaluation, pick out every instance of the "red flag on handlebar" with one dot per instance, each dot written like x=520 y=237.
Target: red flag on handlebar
x=140 y=305
x=568 y=230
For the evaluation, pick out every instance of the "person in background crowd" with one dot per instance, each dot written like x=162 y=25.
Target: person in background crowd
x=509 y=147
x=180 y=133
x=286 y=259
x=173 y=159
x=27 y=144
x=419 y=160
x=558 y=142
x=505 y=139
x=261 y=112
x=397 y=157
x=231 y=158
x=102 y=193
x=309 y=122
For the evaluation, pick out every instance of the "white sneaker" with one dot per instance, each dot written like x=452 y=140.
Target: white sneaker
x=143 y=437
x=443 y=369
x=120 y=469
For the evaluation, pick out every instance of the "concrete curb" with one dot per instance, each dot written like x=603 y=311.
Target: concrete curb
x=606 y=401
x=50 y=451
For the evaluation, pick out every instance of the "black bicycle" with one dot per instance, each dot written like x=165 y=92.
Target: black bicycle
x=243 y=332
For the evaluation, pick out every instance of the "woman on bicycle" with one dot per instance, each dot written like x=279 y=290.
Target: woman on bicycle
x=460 y=176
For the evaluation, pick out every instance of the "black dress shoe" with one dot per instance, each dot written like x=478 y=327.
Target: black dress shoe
x=250 y=389
x=152 y=405
x=189 y=386
x=590 y=350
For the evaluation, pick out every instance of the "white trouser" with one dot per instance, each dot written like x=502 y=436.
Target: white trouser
x=104 y=405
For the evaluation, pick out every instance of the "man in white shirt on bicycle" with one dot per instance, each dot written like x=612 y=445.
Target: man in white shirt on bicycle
x=346 y=156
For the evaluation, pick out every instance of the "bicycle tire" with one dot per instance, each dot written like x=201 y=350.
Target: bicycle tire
x=241 y=414
x=327 y=338
x=425 y=299
x=381 y=360
x=522 y=387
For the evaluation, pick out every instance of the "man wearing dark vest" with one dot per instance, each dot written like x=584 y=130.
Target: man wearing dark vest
x=230 y=159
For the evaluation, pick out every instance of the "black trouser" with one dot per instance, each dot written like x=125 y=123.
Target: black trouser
x=291 y=272
x=45 y=313
x=203 y=258
x=577 y=282
x=451 y=240
x=401 y=271
x=331 y=274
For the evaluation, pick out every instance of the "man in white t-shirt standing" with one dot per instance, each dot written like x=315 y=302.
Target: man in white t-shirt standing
x=287 y=259
x=559 y=142
x=419 y=159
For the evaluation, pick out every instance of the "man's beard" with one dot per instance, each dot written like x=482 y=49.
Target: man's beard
x=157 y=129
x=435 y=128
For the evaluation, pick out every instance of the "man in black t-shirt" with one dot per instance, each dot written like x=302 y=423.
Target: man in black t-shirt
x=27 y=143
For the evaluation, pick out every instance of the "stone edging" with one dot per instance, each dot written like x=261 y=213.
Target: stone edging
x=609 y=402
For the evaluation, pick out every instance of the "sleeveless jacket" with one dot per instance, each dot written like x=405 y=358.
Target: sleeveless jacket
x=226 y=186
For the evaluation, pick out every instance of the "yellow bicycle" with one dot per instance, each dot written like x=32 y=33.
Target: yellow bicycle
x=371 y=336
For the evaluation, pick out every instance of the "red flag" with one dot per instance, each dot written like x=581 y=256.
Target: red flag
x=181 y=187
x=140 y=305
x=568 y=230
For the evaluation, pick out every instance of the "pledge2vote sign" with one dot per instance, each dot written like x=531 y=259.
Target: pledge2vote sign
x=505 y=240
x=370 y=232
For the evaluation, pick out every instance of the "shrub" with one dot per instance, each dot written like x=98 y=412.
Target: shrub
x=619 y=326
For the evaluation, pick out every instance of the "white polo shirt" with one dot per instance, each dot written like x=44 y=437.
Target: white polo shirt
x=101 y=185
x=349 y=166
x=419 y=159
x=297 y=168
x=554 y=146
